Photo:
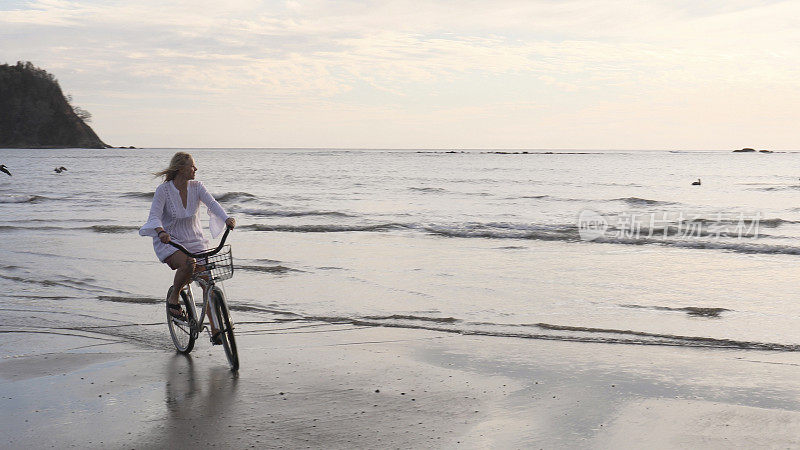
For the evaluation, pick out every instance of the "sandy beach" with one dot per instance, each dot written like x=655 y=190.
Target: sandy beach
x=321 y=385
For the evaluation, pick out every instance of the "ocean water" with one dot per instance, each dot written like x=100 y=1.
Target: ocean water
x=598 y=246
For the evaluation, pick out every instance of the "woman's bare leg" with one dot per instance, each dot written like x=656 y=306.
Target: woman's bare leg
x=184 y=267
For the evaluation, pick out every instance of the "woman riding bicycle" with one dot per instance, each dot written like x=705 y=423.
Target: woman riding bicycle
x=174 y=216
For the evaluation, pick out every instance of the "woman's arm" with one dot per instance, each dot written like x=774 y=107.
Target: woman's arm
x=153 y=225
x=214 y=210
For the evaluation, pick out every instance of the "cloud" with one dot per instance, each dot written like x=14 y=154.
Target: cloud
x=454 y=57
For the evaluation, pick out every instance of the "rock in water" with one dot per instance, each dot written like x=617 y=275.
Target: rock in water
x=35 y=113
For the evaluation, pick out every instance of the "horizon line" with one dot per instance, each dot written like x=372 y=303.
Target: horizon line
x=464 y=148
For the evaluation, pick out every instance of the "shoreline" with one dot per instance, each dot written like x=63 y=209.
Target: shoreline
x=344 y=386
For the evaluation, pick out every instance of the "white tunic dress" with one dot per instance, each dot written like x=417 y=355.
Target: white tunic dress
x=182 y=224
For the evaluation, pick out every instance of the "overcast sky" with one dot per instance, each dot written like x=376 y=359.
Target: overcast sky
x=582 y=74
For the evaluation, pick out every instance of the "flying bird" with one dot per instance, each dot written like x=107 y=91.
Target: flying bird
x=60 y=169
x=4 y=169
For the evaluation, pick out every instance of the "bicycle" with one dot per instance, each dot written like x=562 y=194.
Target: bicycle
x=212 y=266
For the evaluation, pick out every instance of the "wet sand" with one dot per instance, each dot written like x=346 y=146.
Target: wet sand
x=338 y=386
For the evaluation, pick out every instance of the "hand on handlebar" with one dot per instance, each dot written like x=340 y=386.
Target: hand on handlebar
x=231 y=223
x=165 y=238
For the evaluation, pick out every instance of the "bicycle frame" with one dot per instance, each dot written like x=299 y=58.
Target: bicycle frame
x=198 y=327
x=207 y=285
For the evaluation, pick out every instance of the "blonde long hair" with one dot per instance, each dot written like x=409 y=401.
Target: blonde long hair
x=175 y=165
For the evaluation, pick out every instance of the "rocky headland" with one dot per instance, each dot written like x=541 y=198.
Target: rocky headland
x=36 y=114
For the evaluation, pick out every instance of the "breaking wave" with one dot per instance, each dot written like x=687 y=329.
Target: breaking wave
x=412 y=317
x=112 y=229
x=235 y=196
x=428 y=190
x=702 y=239
x=283 y=213
x=13 y=198
x=696 y=311
x=323 y=228
x=745 y=221
x=141 y=195
x=792 y=187
x=498 y=230
x=699 y=237
x=636 y=201
x=38 y=228
x=552 y=198
x=106 y=229
x=267 y=269
x=70 y=283
x=139 y=300
x=541 y=331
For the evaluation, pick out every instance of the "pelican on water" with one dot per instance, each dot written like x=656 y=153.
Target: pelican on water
x=59 y=169
x=696 y=183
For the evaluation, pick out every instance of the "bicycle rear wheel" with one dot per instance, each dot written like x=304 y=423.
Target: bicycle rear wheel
x=225 y=327
x=182 y=331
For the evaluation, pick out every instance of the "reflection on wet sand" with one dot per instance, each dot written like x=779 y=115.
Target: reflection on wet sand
x=197 y=404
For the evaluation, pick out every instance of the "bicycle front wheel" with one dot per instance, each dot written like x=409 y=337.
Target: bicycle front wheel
x=225 y=327
x=182 y=330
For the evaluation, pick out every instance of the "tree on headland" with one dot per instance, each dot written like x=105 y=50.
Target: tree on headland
x=34 y=113
x=83 y=114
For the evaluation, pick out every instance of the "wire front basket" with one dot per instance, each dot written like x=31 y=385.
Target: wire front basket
x=216 y=267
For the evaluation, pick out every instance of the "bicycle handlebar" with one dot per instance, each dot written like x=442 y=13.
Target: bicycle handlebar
x=205 y=253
